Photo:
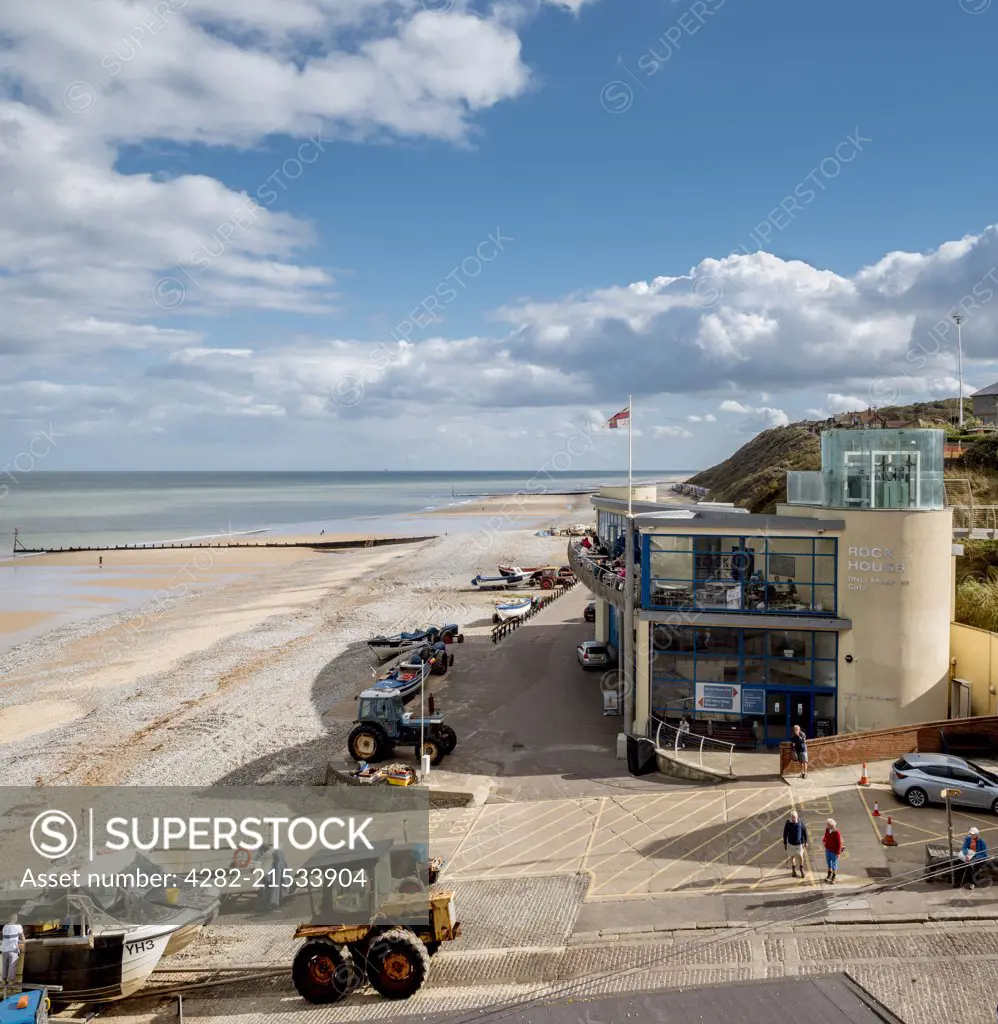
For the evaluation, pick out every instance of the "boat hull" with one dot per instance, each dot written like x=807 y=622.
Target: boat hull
x=114 y=966
x=513 y=611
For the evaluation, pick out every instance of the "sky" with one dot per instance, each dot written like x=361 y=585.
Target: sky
x=457 y=234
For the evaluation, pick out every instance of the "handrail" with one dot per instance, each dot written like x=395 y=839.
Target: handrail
x=680 y=740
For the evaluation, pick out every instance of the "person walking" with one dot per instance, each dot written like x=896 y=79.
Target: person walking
x=833 y=848
x=799 y=740
x=974 y=849
x=10 y=950
x=795 y=842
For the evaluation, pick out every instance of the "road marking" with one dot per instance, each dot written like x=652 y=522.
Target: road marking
x=713 y=839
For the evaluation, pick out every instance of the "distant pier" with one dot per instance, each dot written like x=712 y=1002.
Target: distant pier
x=316 y=545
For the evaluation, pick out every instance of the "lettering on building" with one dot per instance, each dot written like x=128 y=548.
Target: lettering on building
x=874 y=560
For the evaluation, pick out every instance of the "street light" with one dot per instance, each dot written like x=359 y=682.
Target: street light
x=958 y=318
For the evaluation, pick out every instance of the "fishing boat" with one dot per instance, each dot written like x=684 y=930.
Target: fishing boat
x=498 y=582
x=92 y=956
x=407 y=678
x=515 y=570
x=387 y=647
x=514 y=609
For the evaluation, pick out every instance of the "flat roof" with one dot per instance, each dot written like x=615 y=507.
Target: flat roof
x=823 y=999
x=746 y=521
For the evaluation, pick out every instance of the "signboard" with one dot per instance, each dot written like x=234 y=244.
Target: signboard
x=719 y=697
x=610 y=703
x=753 y=702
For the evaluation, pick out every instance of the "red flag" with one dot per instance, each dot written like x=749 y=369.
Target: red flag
x=622 y=417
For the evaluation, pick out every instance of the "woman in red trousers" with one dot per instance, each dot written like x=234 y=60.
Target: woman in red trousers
x=833 y=847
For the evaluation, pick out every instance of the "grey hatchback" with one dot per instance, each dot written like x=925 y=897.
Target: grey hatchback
x=593 y=654
x=919 y=779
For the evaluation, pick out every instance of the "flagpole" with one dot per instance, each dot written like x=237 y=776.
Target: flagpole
x=630 y=452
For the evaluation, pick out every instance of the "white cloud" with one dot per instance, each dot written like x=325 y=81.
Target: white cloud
x=672 y=432
x=846 y=403
x=771 y=417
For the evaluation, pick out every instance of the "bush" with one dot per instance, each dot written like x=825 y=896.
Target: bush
x=977 y=600
x=981 y=453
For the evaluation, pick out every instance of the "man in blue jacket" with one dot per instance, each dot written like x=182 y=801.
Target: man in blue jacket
x=795 y=843
x=974 y=849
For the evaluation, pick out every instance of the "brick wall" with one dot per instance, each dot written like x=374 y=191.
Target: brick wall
x=884 y=744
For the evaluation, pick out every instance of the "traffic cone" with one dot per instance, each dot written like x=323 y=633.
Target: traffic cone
x=864 y=779
x=889 y=839
x=876 y=809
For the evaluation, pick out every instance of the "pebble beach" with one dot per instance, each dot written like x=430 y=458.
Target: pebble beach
x=249 y=673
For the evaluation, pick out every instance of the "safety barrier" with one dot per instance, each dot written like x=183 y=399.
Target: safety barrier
x=688 y=748
x=503 y=629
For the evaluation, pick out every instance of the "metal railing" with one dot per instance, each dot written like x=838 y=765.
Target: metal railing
x=605 y=583
x=971 y=518
x=702 y=751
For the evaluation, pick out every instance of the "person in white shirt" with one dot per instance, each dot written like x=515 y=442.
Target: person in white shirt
x=13 y=945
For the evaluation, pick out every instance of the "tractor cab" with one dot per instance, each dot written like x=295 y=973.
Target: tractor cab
x=384 y=707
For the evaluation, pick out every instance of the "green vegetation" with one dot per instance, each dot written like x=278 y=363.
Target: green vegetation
x=981 y=452
x=755 y=477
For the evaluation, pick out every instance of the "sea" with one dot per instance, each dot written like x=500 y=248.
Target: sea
x=93 y=509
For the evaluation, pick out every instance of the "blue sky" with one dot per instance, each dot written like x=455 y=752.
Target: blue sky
x=610 y=144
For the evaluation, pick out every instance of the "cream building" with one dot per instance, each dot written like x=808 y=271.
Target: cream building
x=833 y=614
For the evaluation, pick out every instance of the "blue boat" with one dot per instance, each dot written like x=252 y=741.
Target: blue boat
x=407 y=679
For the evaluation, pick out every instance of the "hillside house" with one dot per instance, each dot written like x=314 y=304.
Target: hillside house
x=985 y=404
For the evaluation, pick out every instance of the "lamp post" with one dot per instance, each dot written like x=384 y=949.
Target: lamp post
x=958 y=319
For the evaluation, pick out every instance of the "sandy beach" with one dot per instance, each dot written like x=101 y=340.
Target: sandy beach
x=240 y=657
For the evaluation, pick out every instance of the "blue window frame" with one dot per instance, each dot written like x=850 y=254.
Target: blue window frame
x=785 y=575
x=771 y=659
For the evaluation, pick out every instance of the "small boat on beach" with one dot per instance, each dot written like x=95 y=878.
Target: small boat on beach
x=408 y=679
x=498 y=582
x=386 y=647
x=513 y=609
x=528 y=571
x=94 y=957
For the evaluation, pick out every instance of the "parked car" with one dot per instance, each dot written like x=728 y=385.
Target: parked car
x=594 y=654
x=590 y=613
x=919 y=779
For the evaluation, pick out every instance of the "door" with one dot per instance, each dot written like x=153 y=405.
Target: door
x=777 y=716
x=972 y=793
x=935 y=779
x=800 y=711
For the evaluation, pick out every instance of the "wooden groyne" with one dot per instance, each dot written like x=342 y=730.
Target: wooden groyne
x=316 y=545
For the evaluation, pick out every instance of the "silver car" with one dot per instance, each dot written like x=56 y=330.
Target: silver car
x=594 y=654
x=919 y=779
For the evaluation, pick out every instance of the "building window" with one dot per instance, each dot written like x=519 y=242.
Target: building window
x=772 y=658
x=788 y=575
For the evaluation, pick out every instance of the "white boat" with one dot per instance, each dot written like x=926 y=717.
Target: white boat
x=514 y=609
x=92 y=956
x=498 y=582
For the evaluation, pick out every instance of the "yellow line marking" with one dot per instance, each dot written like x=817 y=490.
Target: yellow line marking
x=647 y=821
x=643 y=858
x=607 y=857
x=538 y=821
x=713 y=839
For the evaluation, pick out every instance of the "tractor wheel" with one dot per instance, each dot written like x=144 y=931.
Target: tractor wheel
x=440 y=665
x=320 y=973
x=450 y=661
x=547 y=583
x=433 y=749
x=397 y=964
x=447 y=636
x=495 y=619
x=460 y=638
x=368 y=743
x=447 y=738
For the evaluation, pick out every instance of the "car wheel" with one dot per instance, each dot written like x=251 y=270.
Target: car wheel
x=994 y=807
x=916 y=797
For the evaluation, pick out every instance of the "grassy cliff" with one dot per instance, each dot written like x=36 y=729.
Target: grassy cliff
x=755 y=477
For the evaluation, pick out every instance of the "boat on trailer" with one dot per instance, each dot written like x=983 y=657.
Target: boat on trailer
x=408 y=679
x=498 y=582
x=514 y=609
x=386 y=647
x=92 y=956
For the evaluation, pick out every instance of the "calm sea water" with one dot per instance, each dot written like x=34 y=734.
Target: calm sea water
x=87 y=509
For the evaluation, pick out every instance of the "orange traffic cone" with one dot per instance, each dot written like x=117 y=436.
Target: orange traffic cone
x=876 y=809
x=889 y=839
x=864 y=779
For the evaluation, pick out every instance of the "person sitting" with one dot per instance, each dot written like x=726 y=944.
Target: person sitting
x=974 y=849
